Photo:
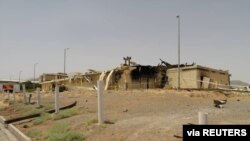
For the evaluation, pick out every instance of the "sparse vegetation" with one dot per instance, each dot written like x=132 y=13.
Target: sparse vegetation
x=162 y=104
x=65 y=114
x=60 y=132
x=19 y=100
x=41 y=119
x=49 y=106
x=92 y=121
x=103 y=126
x=27 y=109
x=2 y=106
x=34 y=133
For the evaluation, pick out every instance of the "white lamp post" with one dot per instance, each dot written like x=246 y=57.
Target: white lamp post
x=178 y=17
x=65 y=50
x=35 y=71
x=20 y=76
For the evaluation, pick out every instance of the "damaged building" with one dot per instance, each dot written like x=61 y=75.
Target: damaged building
x=47 y=80
x=198 y=77
x=130 y=75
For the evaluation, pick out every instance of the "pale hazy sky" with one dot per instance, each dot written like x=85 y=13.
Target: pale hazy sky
x=99 y=33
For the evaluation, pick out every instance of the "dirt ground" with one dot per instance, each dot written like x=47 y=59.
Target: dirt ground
x=146 y=115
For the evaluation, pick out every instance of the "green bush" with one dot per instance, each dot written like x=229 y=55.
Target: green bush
x=62 y=88
x=60 y=132
x=30 y=87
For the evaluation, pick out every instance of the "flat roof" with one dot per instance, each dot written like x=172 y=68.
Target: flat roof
x=10 y=81
x=199 y=67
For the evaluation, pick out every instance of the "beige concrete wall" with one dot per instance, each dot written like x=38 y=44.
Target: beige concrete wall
x=187 y=78
x=46 y=87
x=49 y=77
x=191 y=78
x=125 y=78
x=217 y=79
x=78 y=81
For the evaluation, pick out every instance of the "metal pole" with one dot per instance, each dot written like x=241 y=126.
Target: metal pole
x=24 y=94
x=64 y=70
x=64 y=64
x=8 y=91
x=20 y=76
x=14 y=100
x=178 y=17
x=38 y=104
x=35 y=71
x=1 y=87
x=56 y=99
x=100 y=101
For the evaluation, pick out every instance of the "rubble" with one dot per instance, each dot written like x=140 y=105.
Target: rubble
x=219 y=103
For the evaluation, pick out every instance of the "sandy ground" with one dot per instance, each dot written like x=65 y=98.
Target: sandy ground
x=146 y=115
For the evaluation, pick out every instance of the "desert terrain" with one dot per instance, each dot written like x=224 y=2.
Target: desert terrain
x=146 y=115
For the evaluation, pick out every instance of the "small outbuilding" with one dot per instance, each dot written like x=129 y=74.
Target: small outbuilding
x=9 y=85
x=198 y=77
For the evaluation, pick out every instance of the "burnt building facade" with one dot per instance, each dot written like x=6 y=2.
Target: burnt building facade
x=135 y=76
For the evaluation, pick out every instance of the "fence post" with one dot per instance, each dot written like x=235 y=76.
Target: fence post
x=24 y=94
x=56 y=99
x=14 y=100
x=126 y=85
x=8 y=92
x=202 y=118
x=100 y=101
x=38 y=104
x=1 y=87
x=1 y=90
x=4 y=94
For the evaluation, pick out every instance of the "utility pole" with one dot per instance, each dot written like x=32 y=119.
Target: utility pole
x=178 y=17
x=100 y=101
x=64 y=70
x=35 y=72
x=20 y=76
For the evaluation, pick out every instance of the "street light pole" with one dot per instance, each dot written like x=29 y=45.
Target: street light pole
x=20 y=76
x=64 y=70
x=35 y=71
x=178 y=17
